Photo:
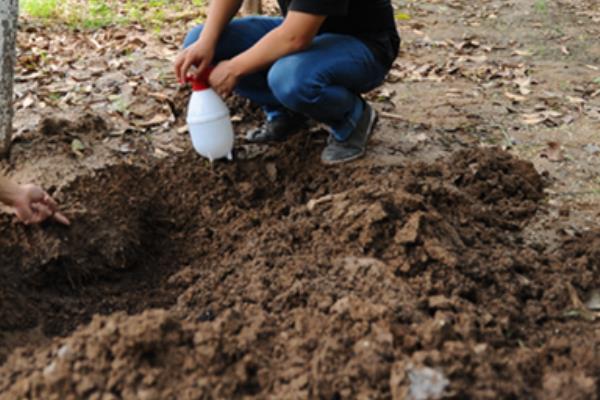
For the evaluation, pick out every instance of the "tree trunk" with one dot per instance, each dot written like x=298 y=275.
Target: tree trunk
x=9 y=10
x=252 y=7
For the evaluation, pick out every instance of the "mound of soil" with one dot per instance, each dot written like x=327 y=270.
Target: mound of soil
x=274 y=277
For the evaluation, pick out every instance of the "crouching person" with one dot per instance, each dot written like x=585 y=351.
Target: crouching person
x=313 y=62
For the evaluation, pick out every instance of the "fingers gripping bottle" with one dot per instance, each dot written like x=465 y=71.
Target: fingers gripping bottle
x=208 y=120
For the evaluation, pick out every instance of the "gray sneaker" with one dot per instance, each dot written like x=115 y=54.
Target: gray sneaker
x=278 y=130
x=355 y=146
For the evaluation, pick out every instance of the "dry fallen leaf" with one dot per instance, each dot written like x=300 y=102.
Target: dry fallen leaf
x=156 y=120
x=575 y=100
x=533 y=118
x=421 y=137
x=515 y=97
x=160 y=154
x=523 y=84
x=29 y=101
x=182 y=130
x=523 y=53
x=553 y=152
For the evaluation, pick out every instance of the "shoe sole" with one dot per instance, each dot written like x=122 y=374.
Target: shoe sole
x=372 y=123
x=276 y=139
x=266 y=141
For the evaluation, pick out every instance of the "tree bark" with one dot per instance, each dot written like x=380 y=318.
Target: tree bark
x=9 y=10
x=252 y=7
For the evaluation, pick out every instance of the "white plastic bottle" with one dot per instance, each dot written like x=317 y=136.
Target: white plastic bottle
x=209 y=121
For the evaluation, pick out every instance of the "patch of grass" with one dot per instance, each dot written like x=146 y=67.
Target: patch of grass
x=87 y=14
x=98 y=14
x=94 y=14
x=541 y=6
x=402 y=16
x=43 y=9
x=597 y=81
x=55 y=97
x=150 y=13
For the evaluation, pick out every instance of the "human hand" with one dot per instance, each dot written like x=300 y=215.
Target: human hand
x=198 y=55
x=33 y=205
x=224 y=78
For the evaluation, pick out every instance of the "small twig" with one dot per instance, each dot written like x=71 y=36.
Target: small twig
x=582 y=193
x=388 y=115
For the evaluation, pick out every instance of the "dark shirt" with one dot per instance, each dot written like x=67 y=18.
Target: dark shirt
x=372 y=21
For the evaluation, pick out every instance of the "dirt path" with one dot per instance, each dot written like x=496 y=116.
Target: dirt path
x=457 y=260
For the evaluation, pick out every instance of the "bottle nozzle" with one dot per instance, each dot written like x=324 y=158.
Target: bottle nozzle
x=201 y=82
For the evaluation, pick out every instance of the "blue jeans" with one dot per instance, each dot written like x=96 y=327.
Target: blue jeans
x=323 y=82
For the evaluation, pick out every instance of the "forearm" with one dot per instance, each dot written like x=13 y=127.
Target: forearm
x=9 y=191
x=270 y=48
x=220 y=12
x=295 y=34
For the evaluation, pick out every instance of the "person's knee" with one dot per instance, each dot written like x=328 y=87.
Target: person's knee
x=192 y=36
x=292 y=85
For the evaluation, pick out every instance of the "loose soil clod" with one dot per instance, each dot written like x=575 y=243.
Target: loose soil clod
x=321 y=283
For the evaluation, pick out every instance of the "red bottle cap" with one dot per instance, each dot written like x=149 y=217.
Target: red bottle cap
x=200 y=83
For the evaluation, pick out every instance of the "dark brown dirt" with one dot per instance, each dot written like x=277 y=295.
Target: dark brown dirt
x=273 y=277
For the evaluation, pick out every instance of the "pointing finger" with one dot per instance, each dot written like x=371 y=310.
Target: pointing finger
x=61 y=218
x=178 y=67
x=50 y=202
x=187 y=63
